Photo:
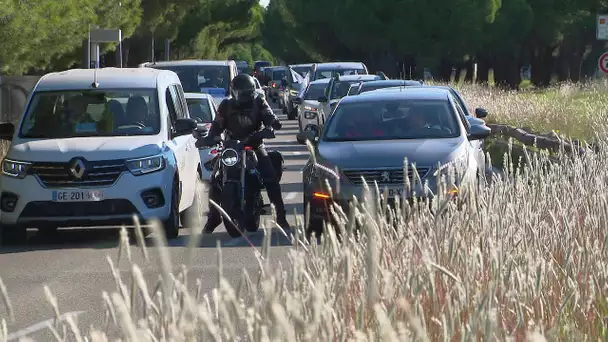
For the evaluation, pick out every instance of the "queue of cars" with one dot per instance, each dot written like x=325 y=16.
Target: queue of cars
x=363 y=127
x=96 y=146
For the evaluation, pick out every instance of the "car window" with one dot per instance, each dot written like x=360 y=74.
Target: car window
x=278 y=74
x=199 y=110
x=460 y=101
x=319 y=74
x=392 y=119
x=341 y=88
x=90 y=113
x=315 y=91
x=182 y=110
x=461 y=114
x=209 y=79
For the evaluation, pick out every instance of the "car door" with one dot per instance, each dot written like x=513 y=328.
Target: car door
x=179 y=144
x=193 y=160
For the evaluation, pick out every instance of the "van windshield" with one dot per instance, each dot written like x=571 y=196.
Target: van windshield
x=86 y=113
x=209 y=79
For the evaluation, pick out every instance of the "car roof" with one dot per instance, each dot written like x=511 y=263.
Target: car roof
x=196 y=95
x=321 y=81
x=189 y=62
x=107 y=78
x=306 y=65
x=359 y=77
x=409 y=93
x=410 y=83
x=339 y=65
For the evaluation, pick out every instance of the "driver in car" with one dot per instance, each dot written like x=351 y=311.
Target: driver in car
x=213 y=79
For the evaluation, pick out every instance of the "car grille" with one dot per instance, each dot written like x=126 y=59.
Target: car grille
x=77 y=209
x=389 y=176
x=97 y=173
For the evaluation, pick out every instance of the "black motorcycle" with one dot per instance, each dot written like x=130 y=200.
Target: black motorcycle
x=241 y=183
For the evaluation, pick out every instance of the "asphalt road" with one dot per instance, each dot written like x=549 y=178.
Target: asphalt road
x=73 y=263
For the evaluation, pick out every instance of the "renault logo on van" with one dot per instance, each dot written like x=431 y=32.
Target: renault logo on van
x=77 y=168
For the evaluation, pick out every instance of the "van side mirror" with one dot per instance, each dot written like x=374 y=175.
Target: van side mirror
x=185 y=126
x=7 y=130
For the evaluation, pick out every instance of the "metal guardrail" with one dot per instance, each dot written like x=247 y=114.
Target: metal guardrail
x=14 y=91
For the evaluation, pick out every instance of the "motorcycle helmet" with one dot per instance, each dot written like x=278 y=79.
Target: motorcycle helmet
x=243 y=88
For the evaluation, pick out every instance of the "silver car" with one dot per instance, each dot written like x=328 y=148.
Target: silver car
x=370 y=135
x=310 y=110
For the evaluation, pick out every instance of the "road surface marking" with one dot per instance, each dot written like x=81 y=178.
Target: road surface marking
x=39 y=326
x=291 y=196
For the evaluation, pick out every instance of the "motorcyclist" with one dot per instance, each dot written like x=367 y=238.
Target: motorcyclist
x=241 y=115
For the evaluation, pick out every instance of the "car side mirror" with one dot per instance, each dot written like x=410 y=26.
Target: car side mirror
x=322 y=99
x=481 y=113
x=7 y=130
x=479 y=132
x=185 y=126
x=302 y=137
x=298 y=100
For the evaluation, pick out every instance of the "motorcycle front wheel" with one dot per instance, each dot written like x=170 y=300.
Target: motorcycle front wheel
x=230 y=194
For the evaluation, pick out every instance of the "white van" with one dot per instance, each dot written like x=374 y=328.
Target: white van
x=202 y=76
x=95 y=147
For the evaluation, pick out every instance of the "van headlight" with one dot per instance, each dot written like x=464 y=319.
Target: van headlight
x=230 y=157
x=14 y=168
x=142 y=166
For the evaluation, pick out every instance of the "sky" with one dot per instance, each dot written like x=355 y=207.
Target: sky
x=264 y=2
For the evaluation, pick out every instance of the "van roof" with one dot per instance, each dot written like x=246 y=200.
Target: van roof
x=188 y=62
x=107 y=78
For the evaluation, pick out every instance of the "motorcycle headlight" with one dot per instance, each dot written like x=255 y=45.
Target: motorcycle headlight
x=14 y=168
x=142 y=166
x=230 y=157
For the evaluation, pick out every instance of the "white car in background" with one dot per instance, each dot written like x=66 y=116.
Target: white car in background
x=202 y=108
x=95 y=147
x=202 y=76
x=310 y=111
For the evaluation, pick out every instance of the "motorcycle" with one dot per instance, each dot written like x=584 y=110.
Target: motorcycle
x=241 y=183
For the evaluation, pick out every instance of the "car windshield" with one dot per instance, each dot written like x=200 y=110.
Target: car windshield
x=199 y=110
x=279 y=74
x=201 y=78
x=301 y=70
x=315 y=91
x=320 y=74
x=86 y=113
x=341 y=88
x=392 y=119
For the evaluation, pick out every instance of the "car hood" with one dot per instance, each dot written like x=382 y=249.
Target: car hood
x=312 y=103
x=389 y=154
x=91 y=148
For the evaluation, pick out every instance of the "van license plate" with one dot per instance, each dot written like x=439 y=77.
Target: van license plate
x=78 y=196
x=392 y=192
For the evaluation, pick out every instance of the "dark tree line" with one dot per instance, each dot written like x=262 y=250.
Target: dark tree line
x=42 y=36
x=555 y=37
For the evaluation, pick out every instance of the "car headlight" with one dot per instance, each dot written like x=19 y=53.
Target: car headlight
x=293 y=93
x=14 y=168
x=230 y=157
x=310 y=115
x=142 y=166
x=452 y=171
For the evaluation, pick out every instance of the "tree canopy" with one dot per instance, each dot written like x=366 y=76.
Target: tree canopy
x=555 y=37
x=43 y=36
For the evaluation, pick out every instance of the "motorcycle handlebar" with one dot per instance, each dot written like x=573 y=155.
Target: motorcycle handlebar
x=266 y=133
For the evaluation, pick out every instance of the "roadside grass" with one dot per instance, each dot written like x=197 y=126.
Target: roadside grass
x=521 y=259
x=571 y=110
